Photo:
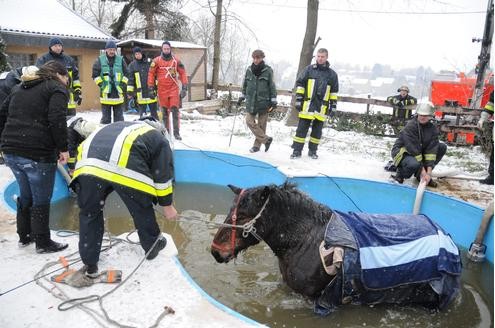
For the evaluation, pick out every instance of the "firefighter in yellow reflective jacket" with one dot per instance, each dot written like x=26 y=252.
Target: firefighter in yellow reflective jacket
x=316 y=97
x=109 y=72
x=137 y=89
x=418 y=150
x=133 y=159
x=487 y=117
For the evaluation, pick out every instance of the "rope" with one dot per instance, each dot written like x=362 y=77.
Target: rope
x=77 y=302
x=341 y=190
x=57 y=292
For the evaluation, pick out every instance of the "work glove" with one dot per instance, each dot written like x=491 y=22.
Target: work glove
x=240 y=100
x=152 y=92
x=333 y=106
x=483 y=118
x=78 y=96
x=183 y=92
x=298 y=103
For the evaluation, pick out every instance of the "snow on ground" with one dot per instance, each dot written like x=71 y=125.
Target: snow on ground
x=345 y=154
x=139 y=302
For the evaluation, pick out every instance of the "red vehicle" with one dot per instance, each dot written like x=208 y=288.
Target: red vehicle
x=451 y=94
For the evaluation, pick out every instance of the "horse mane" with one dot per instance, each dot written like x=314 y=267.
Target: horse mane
x=292 y=203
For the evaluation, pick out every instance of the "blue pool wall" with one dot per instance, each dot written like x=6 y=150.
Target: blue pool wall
x=457 y=217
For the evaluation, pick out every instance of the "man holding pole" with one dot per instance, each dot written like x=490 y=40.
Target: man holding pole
x=258 y=89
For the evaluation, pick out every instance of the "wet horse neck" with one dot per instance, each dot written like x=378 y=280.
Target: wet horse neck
x=295 y=244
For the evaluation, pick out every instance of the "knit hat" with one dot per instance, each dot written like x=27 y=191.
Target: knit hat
x=110 y=44
x=166 y=42
x=137 y=49
x=54 y=41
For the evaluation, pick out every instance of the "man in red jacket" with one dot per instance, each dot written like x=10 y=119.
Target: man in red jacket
x=169 y=75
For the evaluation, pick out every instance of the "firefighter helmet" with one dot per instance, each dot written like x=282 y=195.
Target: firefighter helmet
x=425 y=108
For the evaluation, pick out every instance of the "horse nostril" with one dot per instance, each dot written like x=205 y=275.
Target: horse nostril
x=217 y=256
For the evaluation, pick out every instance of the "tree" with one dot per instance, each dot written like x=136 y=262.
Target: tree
x=307 y=50
x=216 y=45
x=4 y=66
x=158 y=15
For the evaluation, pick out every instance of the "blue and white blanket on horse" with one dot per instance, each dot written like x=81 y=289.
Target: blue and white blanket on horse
x=400 y=249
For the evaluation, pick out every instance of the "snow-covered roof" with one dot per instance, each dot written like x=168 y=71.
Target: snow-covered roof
x=386 y=80
x=376 y=83
x=46 y=17
x=360 y=81
x=158 y=43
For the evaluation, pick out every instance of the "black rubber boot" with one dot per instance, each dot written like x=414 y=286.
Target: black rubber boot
x=488 y=180
x=295 y=154
x=165 y=119
x=40 y=216
x=23 y=224
x=268 y=143
x=175 y=117
x=158 y=246
x=91 y=270
x=313 y=154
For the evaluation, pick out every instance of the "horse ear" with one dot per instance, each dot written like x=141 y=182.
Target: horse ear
x=265 y=193
x=235 y=189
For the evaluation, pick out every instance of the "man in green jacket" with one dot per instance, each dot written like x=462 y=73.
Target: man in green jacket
x=258 y=89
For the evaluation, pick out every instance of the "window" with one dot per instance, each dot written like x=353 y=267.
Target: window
x=18 y=60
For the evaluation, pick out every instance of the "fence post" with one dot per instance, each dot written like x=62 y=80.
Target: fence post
x=368 y=105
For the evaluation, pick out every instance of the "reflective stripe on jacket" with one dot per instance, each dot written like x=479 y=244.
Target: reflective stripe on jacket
x=132 y=154
x=109 y=78
x=418 y=140
x=318 y=85
x=137 y=81
x=71 y=67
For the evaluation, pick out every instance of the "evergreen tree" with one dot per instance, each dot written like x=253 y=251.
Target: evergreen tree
x=4 y=66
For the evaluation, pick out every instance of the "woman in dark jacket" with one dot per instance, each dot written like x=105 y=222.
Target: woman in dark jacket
x=33 y=133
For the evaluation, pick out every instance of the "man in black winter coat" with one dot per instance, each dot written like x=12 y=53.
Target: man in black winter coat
x=137 y=75
x=56 y=52
x=417 y=149
x=8 y=80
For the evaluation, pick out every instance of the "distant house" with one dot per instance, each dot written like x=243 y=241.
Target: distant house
x=191 y=55
x=26 y=26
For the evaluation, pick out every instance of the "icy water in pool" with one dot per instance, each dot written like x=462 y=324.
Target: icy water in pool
x=252 y=284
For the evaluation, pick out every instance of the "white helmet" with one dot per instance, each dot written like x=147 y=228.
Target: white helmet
x=425 y=108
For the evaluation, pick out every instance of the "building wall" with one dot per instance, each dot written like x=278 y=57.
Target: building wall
x=192 y=58
x=86 y=58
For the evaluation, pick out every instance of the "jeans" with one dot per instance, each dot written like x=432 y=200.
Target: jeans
x=35 y=179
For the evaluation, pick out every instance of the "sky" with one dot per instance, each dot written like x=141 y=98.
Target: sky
x=402 y=33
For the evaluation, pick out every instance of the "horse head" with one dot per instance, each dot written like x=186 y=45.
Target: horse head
x=242 y=227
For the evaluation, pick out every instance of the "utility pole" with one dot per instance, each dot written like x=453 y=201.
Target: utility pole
x=484 y=57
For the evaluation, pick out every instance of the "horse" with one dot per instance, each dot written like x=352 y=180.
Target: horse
x=326 y=256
